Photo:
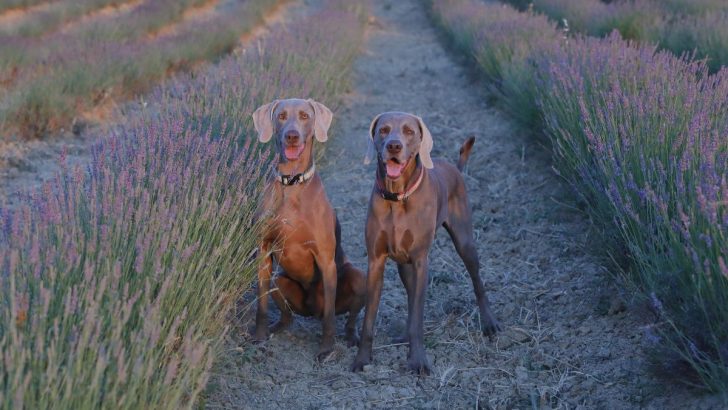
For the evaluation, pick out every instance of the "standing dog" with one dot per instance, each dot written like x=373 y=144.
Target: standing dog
x=303 y=234
x=413 y=196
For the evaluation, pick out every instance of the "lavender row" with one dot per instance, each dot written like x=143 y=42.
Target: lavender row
x=642 y=135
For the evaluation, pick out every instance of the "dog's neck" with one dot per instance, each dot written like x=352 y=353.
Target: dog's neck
x=405 y=181
x=301 y=165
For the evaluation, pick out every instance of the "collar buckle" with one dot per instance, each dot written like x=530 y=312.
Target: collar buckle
x=389 y=196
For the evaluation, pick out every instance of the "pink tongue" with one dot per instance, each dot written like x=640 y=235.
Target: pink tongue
x=293 y=152
x=394 y=170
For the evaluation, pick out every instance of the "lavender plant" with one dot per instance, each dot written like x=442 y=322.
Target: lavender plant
x=705 y=35
x=634 y=19
x=581 y=16
x=641 y=135
x=693 y=7
x=115 y=278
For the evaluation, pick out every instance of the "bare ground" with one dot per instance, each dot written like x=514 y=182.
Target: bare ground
x=570 y=341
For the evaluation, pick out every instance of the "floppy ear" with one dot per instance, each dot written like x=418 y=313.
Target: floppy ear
x=322 y=120
x=371 y=149
x=426 y=145
x=263 y=121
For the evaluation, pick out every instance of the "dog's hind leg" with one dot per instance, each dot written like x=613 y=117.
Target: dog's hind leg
x=460 y=227
x=350 y=298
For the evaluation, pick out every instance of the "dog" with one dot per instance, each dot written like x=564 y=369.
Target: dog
x=303 y=234
x=413 y=195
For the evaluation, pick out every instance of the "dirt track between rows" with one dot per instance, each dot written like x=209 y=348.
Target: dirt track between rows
x=570 y=339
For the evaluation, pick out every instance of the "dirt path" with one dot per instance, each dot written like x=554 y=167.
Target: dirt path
x=568 y=341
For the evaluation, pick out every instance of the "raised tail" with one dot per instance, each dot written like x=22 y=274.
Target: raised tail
x=465 y=152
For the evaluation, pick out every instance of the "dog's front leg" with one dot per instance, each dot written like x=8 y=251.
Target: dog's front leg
x=265 y=268
x=417 y=359
x=328 y=271
x=374 y=293
x=409 y=278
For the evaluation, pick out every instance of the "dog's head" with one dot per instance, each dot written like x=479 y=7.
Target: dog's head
x=294 y=123
x=397 y=138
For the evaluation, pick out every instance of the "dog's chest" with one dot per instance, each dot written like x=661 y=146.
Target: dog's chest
x=401 y=236
x=294 y=244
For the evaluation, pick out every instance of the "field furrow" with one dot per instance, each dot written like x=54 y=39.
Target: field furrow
x=12 y=15
x=197 y=12
x=106 y=13
x=16 y=5
x=272 y=17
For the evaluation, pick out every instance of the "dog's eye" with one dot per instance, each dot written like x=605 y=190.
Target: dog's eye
x=304 y=116
x=408 y=131
x=282 y=116
x=384 y=130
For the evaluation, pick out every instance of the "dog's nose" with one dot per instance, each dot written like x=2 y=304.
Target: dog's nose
x=394 y=147
x=292 y=136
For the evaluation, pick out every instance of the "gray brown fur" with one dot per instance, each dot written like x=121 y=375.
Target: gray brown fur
x=303 y=235
x=404 y=231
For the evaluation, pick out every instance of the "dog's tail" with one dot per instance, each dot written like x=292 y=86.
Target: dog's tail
x=465 y=152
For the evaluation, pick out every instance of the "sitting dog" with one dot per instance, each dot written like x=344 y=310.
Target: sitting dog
x=303 y=234
x=413 y=196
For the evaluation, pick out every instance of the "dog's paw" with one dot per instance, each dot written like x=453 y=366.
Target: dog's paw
x=324 y=351
x=491 y=327
x=359 y=363
x=419 y=366
x=261 y=334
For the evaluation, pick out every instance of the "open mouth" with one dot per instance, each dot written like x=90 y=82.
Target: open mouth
x=292 y=152
x=395 y=167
